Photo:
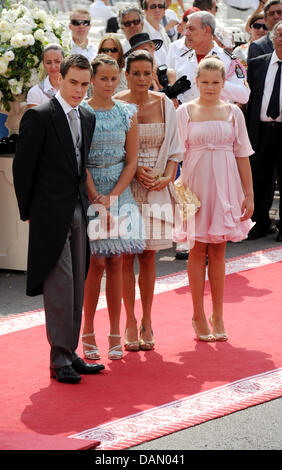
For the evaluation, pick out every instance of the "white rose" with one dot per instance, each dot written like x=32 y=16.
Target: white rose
x=11 y=15
x=3 y=66
x=41 y=16
x=39 y=35
x=30 y=39
x=15 y=86
x=17 y=40
x=23 y=27
x=9 y=56
x=5 y=37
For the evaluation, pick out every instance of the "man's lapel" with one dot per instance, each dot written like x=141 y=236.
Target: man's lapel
x=63 y=131
x=263 y=71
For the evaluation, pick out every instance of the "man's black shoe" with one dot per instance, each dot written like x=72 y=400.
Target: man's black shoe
x=272 y=228
x=256 y=233
x=65 y=374
x=182 y=255
x=82 y=367
x=279 y=236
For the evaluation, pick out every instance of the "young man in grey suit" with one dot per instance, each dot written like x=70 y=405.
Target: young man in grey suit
x=50 y=184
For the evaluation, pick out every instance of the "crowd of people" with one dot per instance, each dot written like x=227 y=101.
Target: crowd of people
x=96 y=164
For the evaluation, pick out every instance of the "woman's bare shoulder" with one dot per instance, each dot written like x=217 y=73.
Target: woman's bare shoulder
x=155 y=95
x=122 y=95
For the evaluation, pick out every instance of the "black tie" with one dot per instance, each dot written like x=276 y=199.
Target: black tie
x=273 y=109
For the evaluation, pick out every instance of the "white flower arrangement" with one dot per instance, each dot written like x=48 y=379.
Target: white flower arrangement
x=24 y=32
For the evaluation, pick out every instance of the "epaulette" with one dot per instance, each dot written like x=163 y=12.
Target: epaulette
x=186 y=52
x=232 y=56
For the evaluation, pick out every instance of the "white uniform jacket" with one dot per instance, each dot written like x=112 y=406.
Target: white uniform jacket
x=235 y=90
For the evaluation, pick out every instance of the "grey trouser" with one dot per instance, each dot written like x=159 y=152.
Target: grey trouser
x=63 y=291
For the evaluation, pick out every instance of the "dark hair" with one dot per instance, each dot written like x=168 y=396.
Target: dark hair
x=269 y=4
x=254 y=18
x=74 y=60
x=138 y=55
x=53 y=47
x=103 y=59
x=203 y=4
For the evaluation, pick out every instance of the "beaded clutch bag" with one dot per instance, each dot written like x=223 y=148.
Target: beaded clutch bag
x=187 y=200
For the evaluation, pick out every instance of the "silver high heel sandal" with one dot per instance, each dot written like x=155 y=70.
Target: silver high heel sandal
x=208 y=338
x=115 y=352
x=93 y=352
x=218 y=336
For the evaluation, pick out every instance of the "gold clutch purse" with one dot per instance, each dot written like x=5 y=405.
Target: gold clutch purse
x=188 y=201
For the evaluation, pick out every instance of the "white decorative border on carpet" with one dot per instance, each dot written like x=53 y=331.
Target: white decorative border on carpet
x=21 y=321
x=187 y=412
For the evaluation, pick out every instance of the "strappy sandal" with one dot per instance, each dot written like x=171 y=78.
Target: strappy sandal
x=218 y=336
x=145 y=345
x=115 y=352
x=93 y=352
x=130 y=345
x=208 y=338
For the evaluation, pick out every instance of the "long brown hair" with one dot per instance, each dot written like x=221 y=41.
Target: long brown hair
x=118 y=45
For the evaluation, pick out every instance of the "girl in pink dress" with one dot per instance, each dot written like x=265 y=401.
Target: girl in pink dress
x=216 y=168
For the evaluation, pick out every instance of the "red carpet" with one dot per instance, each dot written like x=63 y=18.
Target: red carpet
x=148 y=394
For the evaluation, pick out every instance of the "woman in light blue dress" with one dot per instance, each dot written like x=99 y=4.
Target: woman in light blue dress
x=115 y=223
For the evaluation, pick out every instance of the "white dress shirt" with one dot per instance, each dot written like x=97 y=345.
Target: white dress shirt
x=125 y=45
x=267 y=91
x=160 y=56
x=36 y=96
x=67 y=108
x=89 y=51
x=98 y=9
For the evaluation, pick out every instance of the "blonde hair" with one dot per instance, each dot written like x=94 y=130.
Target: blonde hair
x=113 y=37
x=82 y=11
x=212 y=62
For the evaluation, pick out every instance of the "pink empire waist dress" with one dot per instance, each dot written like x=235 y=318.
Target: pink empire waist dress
x=210 y=170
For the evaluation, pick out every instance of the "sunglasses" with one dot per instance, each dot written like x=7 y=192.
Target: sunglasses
x=106 y=50
x=129 y=23
x=258 y=26
x=159 y=5
x=80 y=22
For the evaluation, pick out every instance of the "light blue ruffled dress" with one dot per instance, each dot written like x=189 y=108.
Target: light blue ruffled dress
x=106 y=161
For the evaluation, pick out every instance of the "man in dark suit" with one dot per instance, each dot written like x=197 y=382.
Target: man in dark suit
x=273 y=14
x=50 y=184
x=264 y=119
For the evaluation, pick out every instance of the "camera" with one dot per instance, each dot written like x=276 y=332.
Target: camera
x=172 y=91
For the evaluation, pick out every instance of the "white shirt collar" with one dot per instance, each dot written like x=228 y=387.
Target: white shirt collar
x=274 y=58
x=66 y=106
x=47 y=84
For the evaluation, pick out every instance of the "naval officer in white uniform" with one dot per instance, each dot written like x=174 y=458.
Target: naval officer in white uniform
x=196 y=44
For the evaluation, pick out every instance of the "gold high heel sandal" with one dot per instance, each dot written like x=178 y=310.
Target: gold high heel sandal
x=93 y=352
x=218 y=336
x=208 y=338
x=145 y=345
x=130 y=345
x=115 y=352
